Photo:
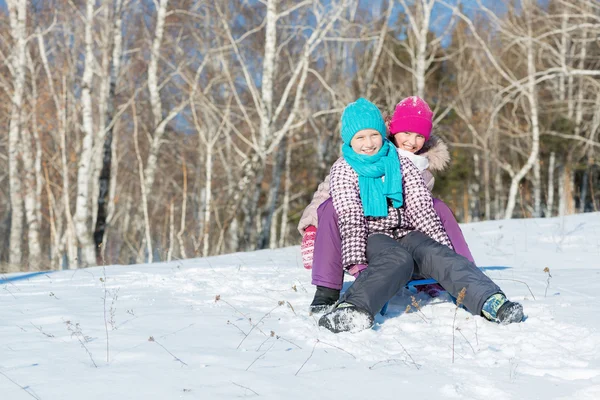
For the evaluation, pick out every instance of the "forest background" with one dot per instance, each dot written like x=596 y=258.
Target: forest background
x=137 y=131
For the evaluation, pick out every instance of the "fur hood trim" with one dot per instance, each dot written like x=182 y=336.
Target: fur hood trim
x=436 y=152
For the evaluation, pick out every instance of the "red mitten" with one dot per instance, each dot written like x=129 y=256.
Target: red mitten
x=308 y=246
x=356 y=269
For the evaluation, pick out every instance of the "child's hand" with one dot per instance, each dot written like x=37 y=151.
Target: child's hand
x=308 y=246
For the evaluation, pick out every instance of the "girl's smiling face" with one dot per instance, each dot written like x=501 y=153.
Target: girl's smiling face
x=367 y=142
x=409 y=141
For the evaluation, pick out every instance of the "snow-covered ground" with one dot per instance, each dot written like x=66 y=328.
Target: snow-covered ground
x=237 y=326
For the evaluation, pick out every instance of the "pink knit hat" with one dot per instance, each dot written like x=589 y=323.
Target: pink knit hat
x=412 y=114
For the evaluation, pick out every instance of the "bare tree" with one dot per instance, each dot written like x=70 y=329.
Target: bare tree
x=419 y=45
x=18 y=19
x=110 y=74
x=154 y=87
x=83 y=204
x=147 y=227
x=273 y=122
x=60 y=102
x=32 y=154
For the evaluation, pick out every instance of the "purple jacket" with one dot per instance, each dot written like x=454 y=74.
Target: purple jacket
x=417 y=213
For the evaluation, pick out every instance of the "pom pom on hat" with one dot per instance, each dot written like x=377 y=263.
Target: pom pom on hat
x=412 y=115
x=362 y=114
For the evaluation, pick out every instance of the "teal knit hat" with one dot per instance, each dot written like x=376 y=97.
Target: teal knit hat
x=362 y=114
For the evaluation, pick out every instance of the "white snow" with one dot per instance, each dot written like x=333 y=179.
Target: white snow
x=258 y=340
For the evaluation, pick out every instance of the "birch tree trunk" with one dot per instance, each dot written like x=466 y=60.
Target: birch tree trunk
x=487 y=184
x=36 y=139
x=108 y=125
x=54 y=237
x=419 y=24
x=155 y=101
x=278 y=169
x=70 y=233
x=550 y=201
x=579 y=105
x=147 y=230
x=564 y=40
x=370 y=76
x=584 y=189
x=84 y=170
x=268 y=72
x=31 y=201
x=181 y=231
x=422 y=51
x=266 y=112
x=31 y=152
x=473 y=190
x=18 y=18
x=68 y=237
x=206 y=150
x=498 y=200
x=286 y=195
x=160 y=123
x=101 y=92
x=537 y=190
x=207 y=200
x=563 y=183
x=531 y=95
x=171 y=232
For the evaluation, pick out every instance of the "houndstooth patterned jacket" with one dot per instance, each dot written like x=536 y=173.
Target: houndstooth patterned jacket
x=417 y=213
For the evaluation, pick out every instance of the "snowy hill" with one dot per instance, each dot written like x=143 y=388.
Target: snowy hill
x=237 y=326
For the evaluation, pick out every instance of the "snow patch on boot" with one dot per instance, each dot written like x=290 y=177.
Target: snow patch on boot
x=346 y=318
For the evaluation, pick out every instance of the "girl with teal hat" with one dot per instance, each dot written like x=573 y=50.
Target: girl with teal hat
x=387 y=221
x=372 y=156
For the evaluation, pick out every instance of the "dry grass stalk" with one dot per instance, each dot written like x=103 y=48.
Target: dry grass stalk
x=39 y=328
x=408 y=354
x=516 y=280
x=151 y=339
x=218 y=298
x=290 y=306
x=244 y=387
x=547 y=270
x=459 y=299
x=83 y=339
x=416 y=304
x=25 y=388
x=464 y=337
x=279 y=304
x=305 y=361
x=262 y=355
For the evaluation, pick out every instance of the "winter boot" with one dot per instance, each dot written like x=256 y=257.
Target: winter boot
x=498 y=309
x=324 y=298
x=510 y=312
x=346 y=317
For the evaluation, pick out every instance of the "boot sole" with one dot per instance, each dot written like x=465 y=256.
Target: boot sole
x=511 y=315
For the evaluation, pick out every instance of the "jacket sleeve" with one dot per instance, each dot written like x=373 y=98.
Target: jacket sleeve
x=418 y=204
x=429 y=179
x=351 y=218
x=309 y=215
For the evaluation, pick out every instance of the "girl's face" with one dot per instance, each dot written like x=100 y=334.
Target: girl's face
x=367 y=142
x=409 y=141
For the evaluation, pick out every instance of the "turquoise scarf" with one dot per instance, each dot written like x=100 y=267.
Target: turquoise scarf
x=374 y=191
